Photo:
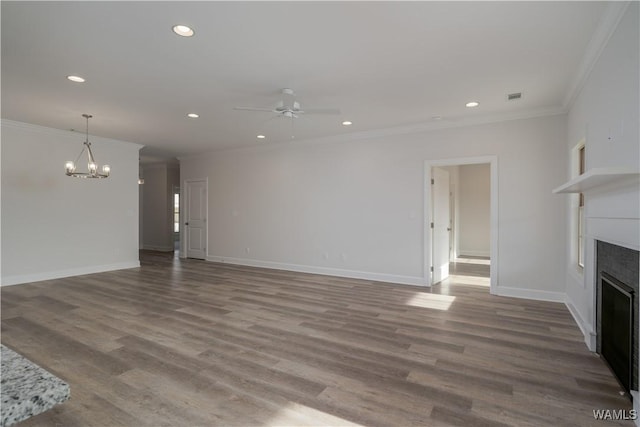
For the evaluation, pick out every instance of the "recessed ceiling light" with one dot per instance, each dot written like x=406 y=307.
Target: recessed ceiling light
x=472 y=104
x=347 y=123
x=193 y=115
x=183 y=30
x=436 y=117
x=261 y=137
x=76 y=79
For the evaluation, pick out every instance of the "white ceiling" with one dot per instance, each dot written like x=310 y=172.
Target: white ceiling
x=384 y=64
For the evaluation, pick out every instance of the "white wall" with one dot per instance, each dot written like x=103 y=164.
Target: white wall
x=356 y=207
x=157 y=210
x=605 y=115
x=57 y=226
x=474 y=192
x=154 y=208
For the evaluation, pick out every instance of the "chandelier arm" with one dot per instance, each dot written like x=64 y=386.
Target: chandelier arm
x=89 y=152
x=79 y=155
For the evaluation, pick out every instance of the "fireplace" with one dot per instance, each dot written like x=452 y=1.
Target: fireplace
x=617 y=311
x=617 y=341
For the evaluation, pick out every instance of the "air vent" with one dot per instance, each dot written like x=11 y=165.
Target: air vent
x=514 y=96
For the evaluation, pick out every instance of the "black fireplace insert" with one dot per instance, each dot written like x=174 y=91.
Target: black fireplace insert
x=617 y=328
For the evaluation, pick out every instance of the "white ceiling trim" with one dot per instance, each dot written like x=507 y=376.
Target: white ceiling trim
x=397 y=131
x=607 y=26
x=66 y=133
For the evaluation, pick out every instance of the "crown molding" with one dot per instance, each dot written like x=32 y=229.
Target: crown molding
x=418 y=128
x=64 y=133
x=453 y=123
x=599 y=40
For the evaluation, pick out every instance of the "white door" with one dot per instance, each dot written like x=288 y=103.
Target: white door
x=441 y=225
x=196 y=219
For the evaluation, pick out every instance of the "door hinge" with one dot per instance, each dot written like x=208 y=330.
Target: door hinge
x=431 y=269
x=432 y=181
x=431 y=225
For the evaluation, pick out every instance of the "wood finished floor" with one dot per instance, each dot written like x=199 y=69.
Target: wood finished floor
x=471 y=267
x=192 y=343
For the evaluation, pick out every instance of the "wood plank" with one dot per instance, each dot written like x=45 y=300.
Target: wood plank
x=187 y=342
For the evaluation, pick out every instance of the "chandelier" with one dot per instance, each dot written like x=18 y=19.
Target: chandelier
x=92 y=166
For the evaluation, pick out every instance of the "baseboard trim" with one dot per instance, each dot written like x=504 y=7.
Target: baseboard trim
x=586 y=329
x=352 y=274
x=50 y=275
x=474 y=253
x=533 y=294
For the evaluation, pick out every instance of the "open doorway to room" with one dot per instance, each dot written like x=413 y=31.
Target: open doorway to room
x=471 y=241
x=158 y=183
x=461 y=235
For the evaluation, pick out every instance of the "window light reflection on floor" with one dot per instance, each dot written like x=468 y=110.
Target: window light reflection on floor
x=295 y=414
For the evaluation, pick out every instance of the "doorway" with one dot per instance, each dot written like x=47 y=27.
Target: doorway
x=195 y=218
x=445 y=252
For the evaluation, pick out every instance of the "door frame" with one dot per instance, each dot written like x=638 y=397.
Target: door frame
x=493 y=226
x=176 y=190
x=184 y=195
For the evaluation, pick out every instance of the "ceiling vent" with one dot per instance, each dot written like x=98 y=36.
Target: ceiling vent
x=514 y=96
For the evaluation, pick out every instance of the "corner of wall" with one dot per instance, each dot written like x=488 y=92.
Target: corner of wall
x=586 y=329
x=533 y=294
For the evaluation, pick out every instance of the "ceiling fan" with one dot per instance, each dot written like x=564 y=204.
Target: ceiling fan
x=288 y=107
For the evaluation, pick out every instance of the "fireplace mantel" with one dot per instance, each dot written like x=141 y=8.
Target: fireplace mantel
x=597 y=177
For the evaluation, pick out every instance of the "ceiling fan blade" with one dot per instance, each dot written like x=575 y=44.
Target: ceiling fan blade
x=321 y=111
x=270 y=110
